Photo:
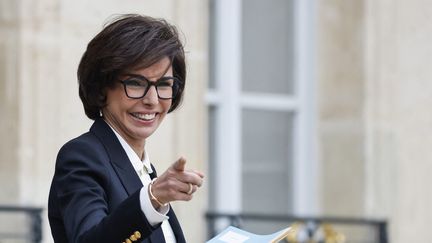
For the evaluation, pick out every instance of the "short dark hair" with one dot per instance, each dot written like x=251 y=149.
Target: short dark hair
x=127 y=41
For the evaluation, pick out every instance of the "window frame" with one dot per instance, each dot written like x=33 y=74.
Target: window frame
x=229 y=100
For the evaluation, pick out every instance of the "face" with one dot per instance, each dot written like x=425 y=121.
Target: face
x=136 y=119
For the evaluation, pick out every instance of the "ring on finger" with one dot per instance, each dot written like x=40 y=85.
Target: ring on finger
x=190 y=189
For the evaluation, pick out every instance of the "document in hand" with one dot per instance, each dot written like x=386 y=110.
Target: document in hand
x=236 y=235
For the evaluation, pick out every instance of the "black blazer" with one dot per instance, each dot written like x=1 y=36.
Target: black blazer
x=94 y=194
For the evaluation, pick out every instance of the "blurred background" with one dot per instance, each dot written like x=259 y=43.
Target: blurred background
x=300 y=112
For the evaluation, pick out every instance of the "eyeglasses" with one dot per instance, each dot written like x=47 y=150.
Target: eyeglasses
x=137 y=86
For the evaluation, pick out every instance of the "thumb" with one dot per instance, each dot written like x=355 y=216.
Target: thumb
x=179 y=165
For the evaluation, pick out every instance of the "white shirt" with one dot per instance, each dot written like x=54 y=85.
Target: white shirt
x=143 y=169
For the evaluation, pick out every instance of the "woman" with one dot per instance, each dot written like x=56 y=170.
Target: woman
x=105 y=188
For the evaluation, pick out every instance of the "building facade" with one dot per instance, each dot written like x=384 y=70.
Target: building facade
x=327 y=100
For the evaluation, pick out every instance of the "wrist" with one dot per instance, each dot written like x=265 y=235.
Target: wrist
x=154 y=200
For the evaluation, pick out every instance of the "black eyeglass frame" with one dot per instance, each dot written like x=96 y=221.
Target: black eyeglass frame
x=175 y=86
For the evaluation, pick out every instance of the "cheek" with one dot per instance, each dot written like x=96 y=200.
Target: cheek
x=166 y=104
x=121 y=106
x=115 y=97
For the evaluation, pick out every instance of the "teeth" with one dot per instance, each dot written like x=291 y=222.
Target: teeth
x=144 y=116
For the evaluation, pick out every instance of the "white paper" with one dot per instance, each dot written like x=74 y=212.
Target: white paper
x=233 y=237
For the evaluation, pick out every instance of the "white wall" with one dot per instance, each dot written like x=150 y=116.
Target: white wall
x=375 y=117
x=399 y=116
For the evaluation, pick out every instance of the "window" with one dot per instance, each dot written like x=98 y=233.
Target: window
x=260 y=101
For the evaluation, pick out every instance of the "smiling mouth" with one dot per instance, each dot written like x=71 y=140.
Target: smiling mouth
x=144 y=117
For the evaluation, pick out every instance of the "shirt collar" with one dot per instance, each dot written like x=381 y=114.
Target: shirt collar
x=137 y=163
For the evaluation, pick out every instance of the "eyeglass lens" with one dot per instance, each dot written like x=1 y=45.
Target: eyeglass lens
x=137 y=88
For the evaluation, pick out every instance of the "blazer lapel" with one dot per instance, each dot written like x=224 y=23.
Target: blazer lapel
x=118 y=157
x=128 y=176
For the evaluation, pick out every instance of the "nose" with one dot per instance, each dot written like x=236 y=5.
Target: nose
x=151 y=98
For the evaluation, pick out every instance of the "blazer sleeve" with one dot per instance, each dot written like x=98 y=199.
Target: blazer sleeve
x=81 y=182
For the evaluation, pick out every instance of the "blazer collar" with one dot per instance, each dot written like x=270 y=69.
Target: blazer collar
x=117 y=155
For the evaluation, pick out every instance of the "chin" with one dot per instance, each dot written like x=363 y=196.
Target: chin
x=146 y=134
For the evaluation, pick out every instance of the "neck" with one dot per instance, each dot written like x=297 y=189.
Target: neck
x=139 y=151
x=138 y=147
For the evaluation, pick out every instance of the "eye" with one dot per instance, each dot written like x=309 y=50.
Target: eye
x=165 y=82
